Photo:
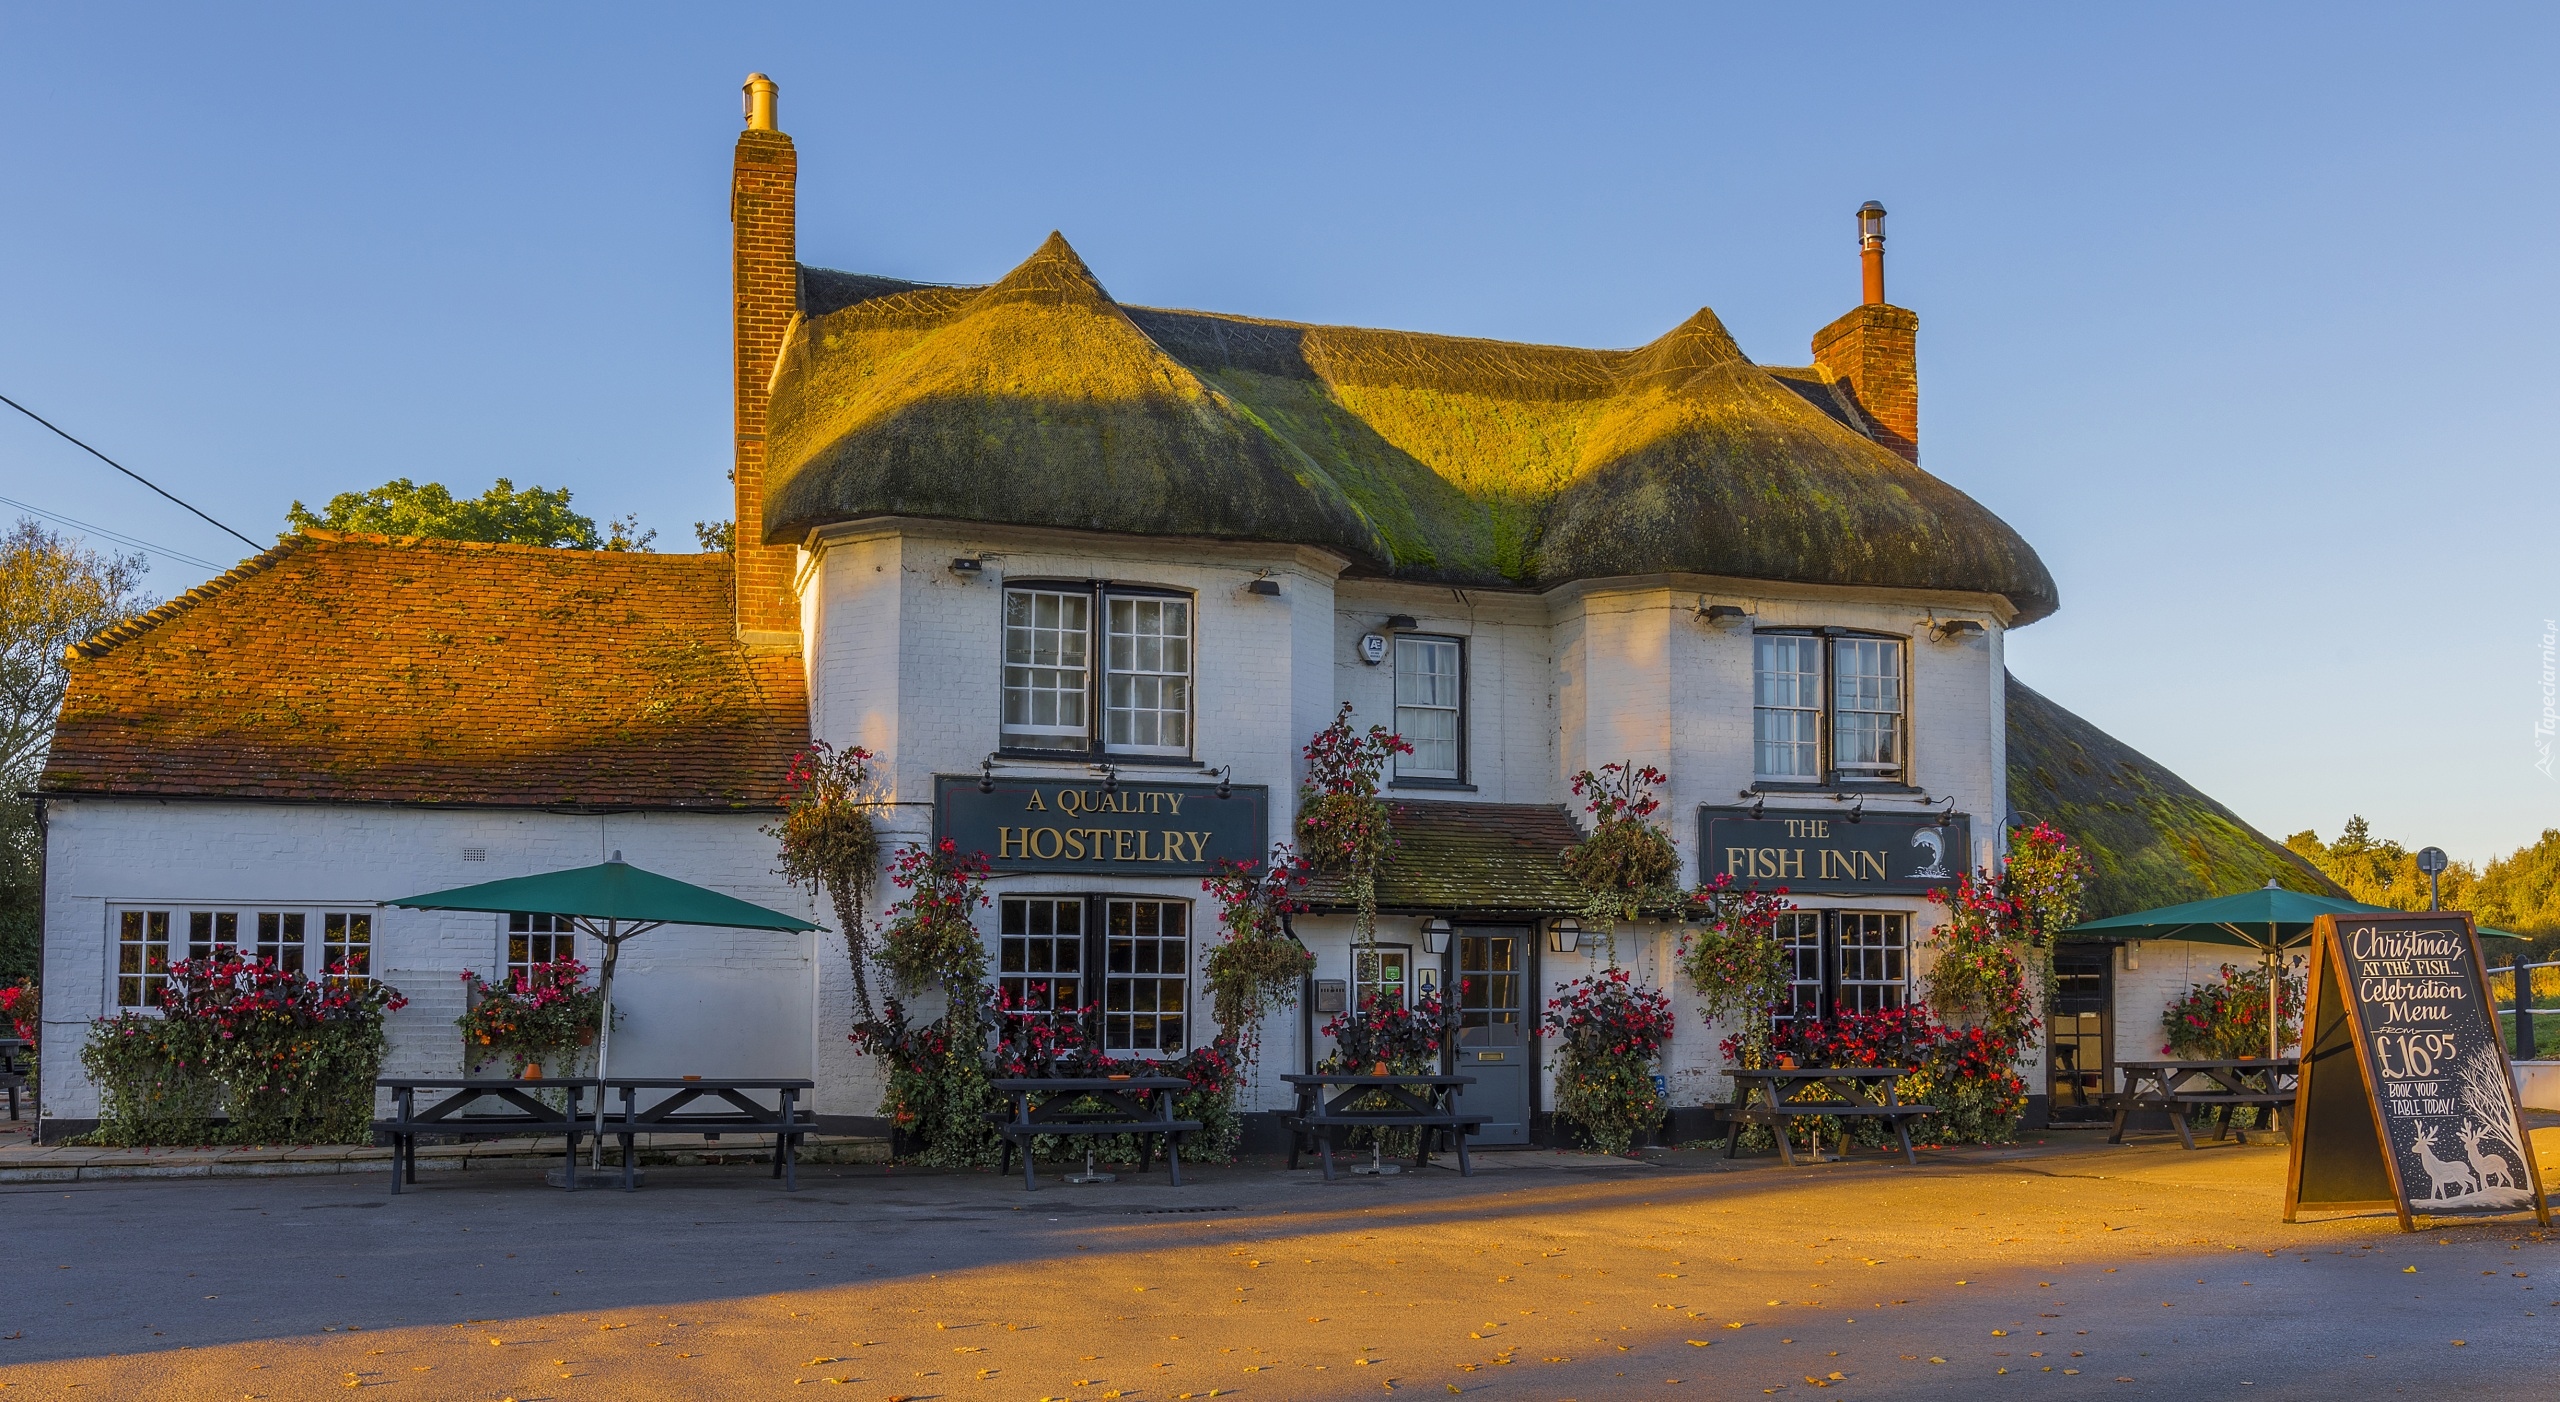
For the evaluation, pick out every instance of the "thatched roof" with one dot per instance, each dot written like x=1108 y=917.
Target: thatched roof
x=2154 y=839
x=1041 y=401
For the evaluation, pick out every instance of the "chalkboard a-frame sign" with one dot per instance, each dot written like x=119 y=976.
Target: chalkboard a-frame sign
x=2406 y=1100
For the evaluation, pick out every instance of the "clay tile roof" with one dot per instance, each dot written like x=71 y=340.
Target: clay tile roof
x=1039 y=400
x=368 y=669
x=1455 y=857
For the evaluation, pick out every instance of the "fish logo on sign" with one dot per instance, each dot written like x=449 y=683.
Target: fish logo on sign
x=1933 y=842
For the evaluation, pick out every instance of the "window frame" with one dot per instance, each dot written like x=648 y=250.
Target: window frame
x=1820 y=934
x=1094 y=978
x=236 y=927
x=561 y=928
x=1099 y=594
x=1829 y=773
x=1457 y=778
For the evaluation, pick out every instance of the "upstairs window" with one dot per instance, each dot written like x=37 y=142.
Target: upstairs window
x=1430 y=712
x=1053 y=692
x=1828 y=709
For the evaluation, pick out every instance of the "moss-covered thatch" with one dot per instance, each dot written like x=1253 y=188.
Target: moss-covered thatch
x=1040 y=401
x=2154 y=839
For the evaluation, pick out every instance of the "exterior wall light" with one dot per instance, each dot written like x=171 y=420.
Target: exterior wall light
x=1226 y=781
x=986 y=776
x=966 y=566
x=1955 y=628
x=1267 y=588
x=1435 y=935
x=1565 y=935
x=1713 y=614
x=1400 y=623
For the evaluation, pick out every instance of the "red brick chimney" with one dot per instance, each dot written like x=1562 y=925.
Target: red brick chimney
x=765 y=282
x=1872 y=349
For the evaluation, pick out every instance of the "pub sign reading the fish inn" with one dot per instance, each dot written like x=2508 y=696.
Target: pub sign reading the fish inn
x=1133 y=828
x=1826 y=853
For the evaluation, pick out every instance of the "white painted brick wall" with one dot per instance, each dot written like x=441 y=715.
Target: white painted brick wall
x=705 y=1002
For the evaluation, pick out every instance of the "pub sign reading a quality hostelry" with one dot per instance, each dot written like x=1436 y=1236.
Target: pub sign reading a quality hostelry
x=1825 y=852
x=1134 y=827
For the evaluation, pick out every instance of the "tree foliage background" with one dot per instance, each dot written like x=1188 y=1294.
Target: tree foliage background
x=2519 y=892
x=503 y=514
x=53 y=592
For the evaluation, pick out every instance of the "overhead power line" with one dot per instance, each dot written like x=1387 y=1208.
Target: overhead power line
x=129 y=472
x=117 y=536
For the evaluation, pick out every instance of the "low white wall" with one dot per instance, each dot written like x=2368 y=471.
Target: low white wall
x=694 y=1001
x=2538 y=1084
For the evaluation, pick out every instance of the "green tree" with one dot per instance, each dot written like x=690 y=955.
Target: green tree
x=533 y=516
x=53 y=592
x=2379 y=871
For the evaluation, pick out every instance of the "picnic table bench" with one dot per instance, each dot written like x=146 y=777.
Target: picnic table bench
x=711 y=1108
x=1777 y=1096
x=482 y=1108
x=2205 y=1084
x=1092 y=1105
x=1424 y=1101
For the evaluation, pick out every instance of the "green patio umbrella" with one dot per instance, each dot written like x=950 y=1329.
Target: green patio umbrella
x=611 y=901
x=2269 y=920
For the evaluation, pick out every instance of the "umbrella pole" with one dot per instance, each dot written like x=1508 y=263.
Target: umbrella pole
x=604 y=1035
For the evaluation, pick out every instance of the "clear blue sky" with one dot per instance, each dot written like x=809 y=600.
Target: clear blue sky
x=2241 y=314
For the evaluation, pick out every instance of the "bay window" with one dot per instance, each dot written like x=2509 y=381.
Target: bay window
x=1053 y=692
x=1828 y=707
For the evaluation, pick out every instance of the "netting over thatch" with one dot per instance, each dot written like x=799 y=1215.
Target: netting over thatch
x=1039 y=400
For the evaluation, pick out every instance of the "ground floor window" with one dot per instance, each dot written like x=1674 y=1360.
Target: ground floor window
x=1385 y=974
x=322 y=943
x=534 y=937
x=1126 y=958
x=1845 y=961
x=1146 y=978
x=1040 y=955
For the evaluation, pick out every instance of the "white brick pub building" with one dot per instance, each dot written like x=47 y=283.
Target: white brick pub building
x=1020 y=537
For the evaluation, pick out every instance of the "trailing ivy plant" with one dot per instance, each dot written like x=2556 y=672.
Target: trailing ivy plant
x=1627 y=864
x=1344 y=829
x=931 y=940
x=1734 y=958
x=829 y=843
x=1257 y=967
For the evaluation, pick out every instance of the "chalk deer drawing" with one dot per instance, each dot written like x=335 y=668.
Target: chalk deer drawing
x=2441 y=1172
x=2492 y=1167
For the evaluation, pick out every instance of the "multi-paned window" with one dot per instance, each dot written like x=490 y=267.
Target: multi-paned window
x=1799 y=933
x=1148 y=678
x=1385 y=974
x=1827 y=708
x=1040 y=955
x=1844 y=961
x=148 y=941
x=1430 y=699
x=1146 y=977
x=1053 y=691
x=538 y=937
x=1489 y=976
x=1872 y=944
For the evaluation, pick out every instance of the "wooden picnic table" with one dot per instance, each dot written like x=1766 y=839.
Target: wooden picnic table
x=481 y=1108
x=2207 y=1084
x=1093 y=1105
x=1775 y=1096
x=711 y=1108
x=1424 y=1101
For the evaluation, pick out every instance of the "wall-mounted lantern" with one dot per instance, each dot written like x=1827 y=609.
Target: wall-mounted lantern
x=1565 y=935
x=1435 y=935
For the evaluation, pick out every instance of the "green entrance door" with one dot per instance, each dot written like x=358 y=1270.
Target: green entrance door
x=1491 y=982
